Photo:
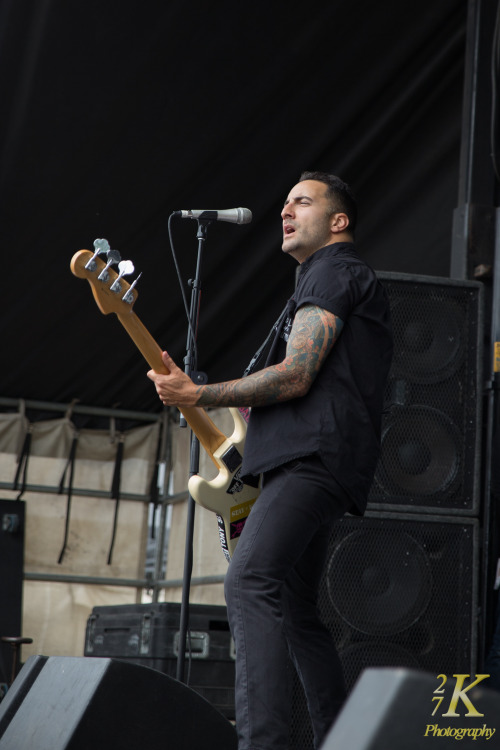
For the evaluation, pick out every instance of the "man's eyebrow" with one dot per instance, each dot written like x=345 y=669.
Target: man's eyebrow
x=298 y=198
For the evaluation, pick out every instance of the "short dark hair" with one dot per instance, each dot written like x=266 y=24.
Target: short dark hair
x=340 y=194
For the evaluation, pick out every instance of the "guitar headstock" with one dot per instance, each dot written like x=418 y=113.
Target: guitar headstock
x=111 y=292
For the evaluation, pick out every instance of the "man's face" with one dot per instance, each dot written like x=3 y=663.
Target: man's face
x=307 y=219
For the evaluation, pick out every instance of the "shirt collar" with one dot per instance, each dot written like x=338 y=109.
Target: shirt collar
x=331 y=249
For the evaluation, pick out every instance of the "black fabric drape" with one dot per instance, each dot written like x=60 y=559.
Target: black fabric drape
x=116 y=114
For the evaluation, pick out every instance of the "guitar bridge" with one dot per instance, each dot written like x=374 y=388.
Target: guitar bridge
x=232 y=459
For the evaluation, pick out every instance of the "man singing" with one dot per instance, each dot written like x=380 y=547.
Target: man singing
x=313 y=435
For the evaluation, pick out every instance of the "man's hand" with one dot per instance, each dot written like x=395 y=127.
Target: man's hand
x=176 y=388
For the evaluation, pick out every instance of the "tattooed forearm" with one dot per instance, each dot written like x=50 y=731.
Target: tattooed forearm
x=313 y=334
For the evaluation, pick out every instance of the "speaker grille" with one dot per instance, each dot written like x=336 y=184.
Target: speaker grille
x=398 y=590
x=431 y=429
x=397 y=585
x=384 y=591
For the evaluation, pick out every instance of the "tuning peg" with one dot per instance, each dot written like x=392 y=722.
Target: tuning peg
x=100 y=246
x=113 y=257
x=128 y=297
x=125 y=268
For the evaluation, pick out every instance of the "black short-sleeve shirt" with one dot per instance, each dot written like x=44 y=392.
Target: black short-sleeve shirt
x=340 y=417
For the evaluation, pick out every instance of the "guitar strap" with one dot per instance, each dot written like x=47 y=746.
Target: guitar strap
x=272 y=336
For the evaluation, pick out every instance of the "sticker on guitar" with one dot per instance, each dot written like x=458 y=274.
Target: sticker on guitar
x=225 y=495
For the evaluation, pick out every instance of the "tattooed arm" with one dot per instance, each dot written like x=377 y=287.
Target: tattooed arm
x=313 y=334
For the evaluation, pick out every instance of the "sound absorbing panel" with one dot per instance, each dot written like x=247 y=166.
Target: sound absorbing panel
x=398 y=590
x=431 y=429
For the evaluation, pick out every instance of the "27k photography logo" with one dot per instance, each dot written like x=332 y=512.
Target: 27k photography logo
x=455 y=714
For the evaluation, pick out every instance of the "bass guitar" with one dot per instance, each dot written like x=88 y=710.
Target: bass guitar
x=225 y=495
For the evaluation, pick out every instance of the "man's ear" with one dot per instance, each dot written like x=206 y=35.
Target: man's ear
x=339 y=223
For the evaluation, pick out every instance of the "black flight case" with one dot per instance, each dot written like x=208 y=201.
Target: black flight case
x=148 y=634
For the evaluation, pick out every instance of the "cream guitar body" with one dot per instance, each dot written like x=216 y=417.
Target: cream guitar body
x=225 y=495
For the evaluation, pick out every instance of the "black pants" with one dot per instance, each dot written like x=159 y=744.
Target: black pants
x=271 y=594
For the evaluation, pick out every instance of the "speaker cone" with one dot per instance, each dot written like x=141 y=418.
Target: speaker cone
x=428 y=337
x=420 y=453
x=379 y=583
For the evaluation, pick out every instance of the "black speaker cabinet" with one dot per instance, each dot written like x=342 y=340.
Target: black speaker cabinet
x=78 y=703
x=398 y=590
x=402 y=591
x=431 y=430
x=12 y=514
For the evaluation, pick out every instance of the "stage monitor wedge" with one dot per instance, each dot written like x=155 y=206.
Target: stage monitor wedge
x=396 y=709
x=76 y=703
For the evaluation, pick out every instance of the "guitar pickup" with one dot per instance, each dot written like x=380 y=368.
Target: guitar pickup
x=232 y=459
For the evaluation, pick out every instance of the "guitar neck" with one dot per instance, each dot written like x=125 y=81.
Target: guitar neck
x=205 y=430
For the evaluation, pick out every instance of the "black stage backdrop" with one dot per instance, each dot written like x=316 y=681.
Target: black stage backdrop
x=114 y=114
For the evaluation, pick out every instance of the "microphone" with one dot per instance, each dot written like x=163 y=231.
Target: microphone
x=234 y=215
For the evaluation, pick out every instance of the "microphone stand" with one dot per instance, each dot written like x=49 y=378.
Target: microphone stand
x=190 y=368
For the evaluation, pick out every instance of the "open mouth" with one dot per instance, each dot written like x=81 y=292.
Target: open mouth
x=288 y=229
